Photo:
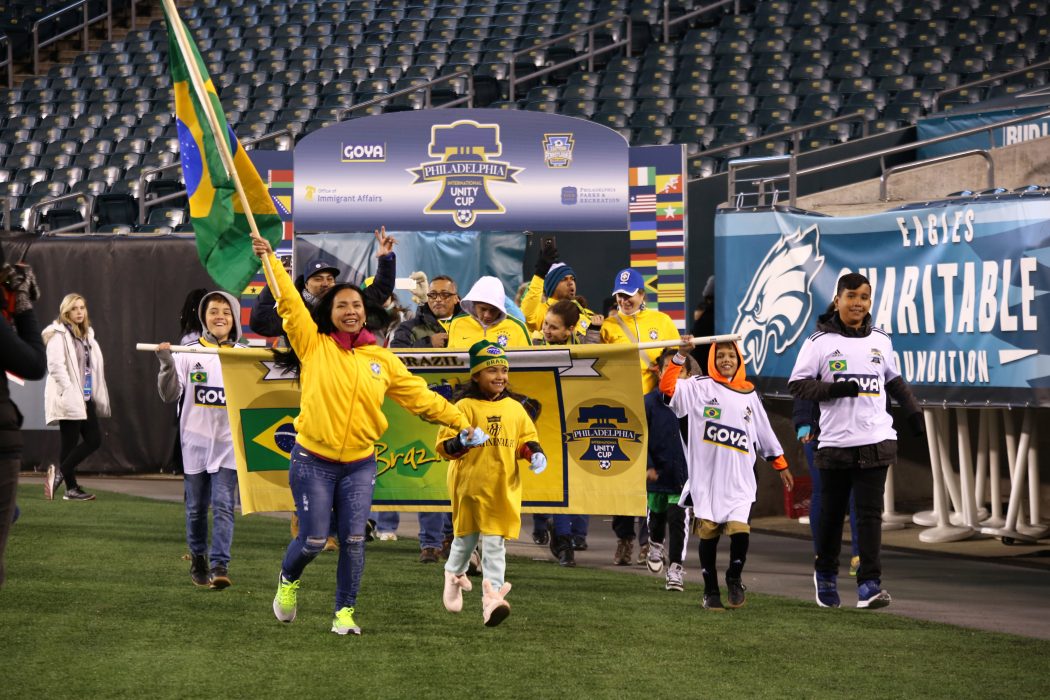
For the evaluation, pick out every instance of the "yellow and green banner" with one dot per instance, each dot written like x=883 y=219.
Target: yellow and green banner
x=591 y=425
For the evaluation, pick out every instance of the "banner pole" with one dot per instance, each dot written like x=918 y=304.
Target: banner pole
x=705 y=340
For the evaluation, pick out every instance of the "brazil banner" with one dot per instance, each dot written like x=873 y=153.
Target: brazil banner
x=591 y=424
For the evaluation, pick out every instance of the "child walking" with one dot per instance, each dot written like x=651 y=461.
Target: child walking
x=727 y=428
x=484 y=484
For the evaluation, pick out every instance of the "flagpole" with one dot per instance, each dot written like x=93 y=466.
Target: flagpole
x=705 y=340
x=197 y=81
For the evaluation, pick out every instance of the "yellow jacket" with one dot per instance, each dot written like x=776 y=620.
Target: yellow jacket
x=484 y=485
x=464 y=331
x=535 y=307
x=645 y=326
x=341 y=413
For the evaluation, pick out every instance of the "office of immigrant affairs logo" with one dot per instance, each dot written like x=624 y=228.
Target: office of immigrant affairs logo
x=605 y=439
x=465 y=168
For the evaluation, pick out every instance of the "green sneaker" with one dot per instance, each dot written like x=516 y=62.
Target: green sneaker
x=344 y=622
x=284 y=603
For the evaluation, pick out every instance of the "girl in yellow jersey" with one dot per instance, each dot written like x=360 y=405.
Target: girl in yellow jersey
x=484 y=484
x=345 y=377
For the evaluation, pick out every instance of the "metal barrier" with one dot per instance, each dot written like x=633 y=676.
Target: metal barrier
x=904 y=148
x=668 y=22
x=588 y=56
x=986 y=81
x=904 y=167
x=738 y=164
x=7 y=60
x=795 y=133
x=85 y=23
x=34 y=213
x=428 y=86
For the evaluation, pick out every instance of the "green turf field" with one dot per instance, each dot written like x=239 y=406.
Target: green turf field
x=99 y=603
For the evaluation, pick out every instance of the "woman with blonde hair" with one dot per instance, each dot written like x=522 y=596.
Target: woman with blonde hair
x=75 y=394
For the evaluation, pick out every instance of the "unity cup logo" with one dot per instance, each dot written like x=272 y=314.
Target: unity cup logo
x=609 y=439
x=465 y=149
x=778 y=304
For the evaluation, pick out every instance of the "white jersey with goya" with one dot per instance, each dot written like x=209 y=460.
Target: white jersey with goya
x=204 y=427
x=727 y=430
x=868 y=361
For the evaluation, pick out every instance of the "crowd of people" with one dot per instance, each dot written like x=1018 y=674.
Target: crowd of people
x=706 y=424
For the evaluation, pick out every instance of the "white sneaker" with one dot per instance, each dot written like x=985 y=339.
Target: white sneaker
x=675 y=574
x=388 y=537
x=655 y=558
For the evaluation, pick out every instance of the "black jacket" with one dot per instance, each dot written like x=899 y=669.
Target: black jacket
x=21 y=353
x=416 y=331
x=666 y=455
x=266 y=321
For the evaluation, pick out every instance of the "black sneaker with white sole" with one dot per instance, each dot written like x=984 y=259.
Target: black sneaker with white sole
x=77 y=494
x=736 y=590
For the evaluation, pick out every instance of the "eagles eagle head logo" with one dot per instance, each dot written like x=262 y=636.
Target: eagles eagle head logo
x=778 y=303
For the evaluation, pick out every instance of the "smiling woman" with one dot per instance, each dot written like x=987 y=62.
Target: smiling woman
x=345 y=378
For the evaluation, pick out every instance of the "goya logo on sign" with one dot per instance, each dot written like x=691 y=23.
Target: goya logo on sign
x=726 y=436
x=869 y=383
x=209 y=396
x=712 y=412
x=608 y=437
x=269 y=435
x=837 y=365
x=363 y=153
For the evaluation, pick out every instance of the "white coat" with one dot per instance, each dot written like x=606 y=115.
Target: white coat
x=63 y=392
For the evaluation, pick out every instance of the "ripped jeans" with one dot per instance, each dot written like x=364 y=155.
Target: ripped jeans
x=319 y=487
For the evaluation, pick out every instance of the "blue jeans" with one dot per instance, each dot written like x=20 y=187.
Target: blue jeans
x=432 y=529
x=319 y=487
x=814 y=505
x=387 y=521
x=219 y=490
x=575 y=525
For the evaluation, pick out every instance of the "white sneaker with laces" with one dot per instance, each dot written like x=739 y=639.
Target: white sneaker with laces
x=675 y=574
x=387 y=536
x=655 y=558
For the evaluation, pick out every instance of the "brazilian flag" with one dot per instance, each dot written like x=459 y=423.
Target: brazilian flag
x=268 y=437
x=219 y=220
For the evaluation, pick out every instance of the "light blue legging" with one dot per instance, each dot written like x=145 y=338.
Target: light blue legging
x=493 y=557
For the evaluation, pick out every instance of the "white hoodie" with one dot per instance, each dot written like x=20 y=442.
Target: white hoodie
x=466 y=329
x=64 y=388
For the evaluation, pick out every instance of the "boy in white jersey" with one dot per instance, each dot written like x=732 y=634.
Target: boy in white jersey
x=849 y=368
x=210 y=477
x=728 y=427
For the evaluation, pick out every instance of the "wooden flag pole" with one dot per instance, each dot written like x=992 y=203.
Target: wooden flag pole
x=197 y=81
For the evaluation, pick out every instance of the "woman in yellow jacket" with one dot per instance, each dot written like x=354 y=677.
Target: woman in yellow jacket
x=484 y=484
x=344 y=378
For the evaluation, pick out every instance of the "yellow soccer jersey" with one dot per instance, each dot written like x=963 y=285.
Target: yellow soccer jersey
x=484 y=485
x=464 y=331
x=644 y=327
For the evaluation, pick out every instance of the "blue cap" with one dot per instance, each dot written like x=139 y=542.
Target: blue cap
x=318 y=265
x=628 y=282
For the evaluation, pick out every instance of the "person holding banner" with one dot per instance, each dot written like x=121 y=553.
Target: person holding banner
x=208 y=462
x=485 y=484
x=345 y=378
x=848 y=366
x=728 y=429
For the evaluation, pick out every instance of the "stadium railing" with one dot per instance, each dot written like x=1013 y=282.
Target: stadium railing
x=86 y=20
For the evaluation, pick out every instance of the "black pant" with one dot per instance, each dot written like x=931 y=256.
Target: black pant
x=623 y=526
x=867 y=485
x=675 y=525
x=9 y=466
x=73 y=451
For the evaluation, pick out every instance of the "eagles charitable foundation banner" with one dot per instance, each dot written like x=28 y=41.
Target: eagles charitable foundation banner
x=477 y=169
x=591 y=424
x=960 y=287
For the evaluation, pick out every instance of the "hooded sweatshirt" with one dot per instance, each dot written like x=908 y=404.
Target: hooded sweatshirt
x=196 y=378
x=728 y=428
x=64 y=397
x=506 y=331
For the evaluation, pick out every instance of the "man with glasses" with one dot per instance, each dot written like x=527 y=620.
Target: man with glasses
x=429 y=329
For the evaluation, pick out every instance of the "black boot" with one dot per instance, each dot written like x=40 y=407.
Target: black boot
x=564 y=550
x=199 y=570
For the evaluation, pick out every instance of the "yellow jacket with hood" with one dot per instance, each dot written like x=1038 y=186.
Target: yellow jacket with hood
x=535 y=308
x=643 y=327
x=466 y=329
x=341 y=414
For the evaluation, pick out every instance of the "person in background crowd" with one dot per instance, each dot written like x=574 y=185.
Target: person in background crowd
x=209 y=464
x=704 y=323
x=333 y=464
x=320 y=275
x=849 y=368
x=484 y=484
x=666 y=476
x=552 y=282
x=560 y=328
x=22 y=354
x=189 y=319
x=485 y=318
x=728 y=428
x=429 y=329
x=75 y=394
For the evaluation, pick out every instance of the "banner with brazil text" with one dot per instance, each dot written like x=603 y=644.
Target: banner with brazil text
x=591 y=424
